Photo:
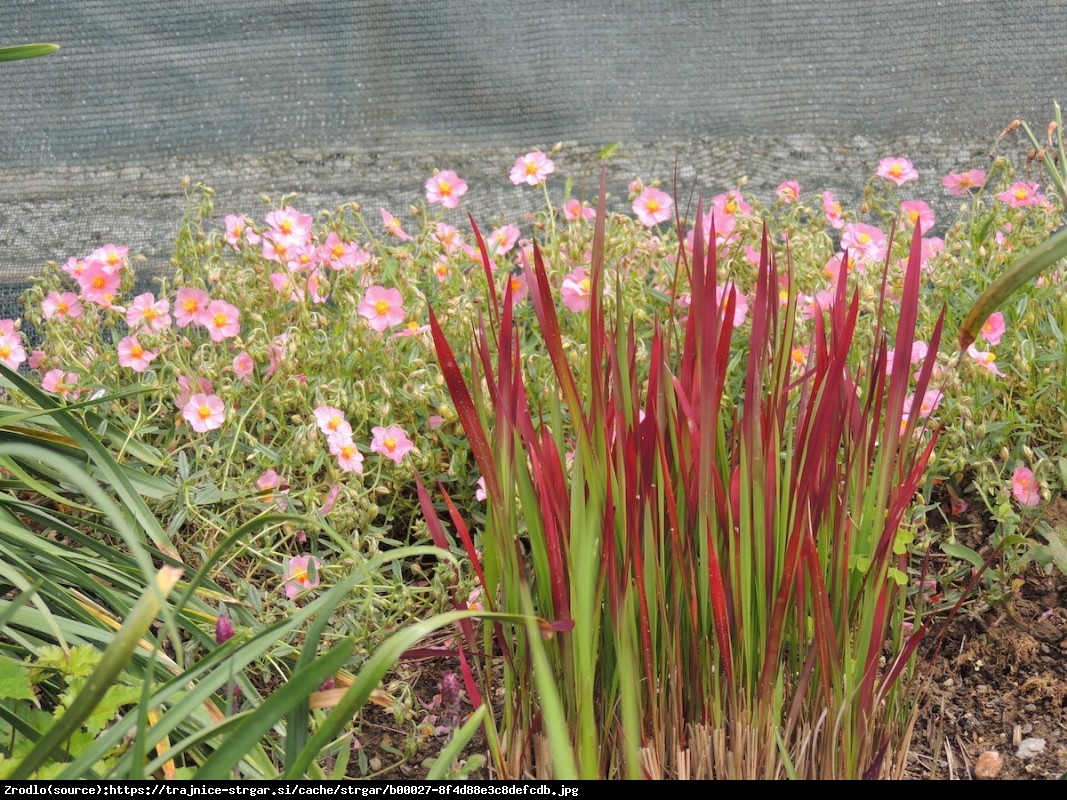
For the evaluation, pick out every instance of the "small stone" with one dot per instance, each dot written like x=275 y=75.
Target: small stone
x=1028 y=748
x=988 y=766
x=1030 y=707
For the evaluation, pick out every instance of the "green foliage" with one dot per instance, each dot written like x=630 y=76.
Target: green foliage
x=17 y=52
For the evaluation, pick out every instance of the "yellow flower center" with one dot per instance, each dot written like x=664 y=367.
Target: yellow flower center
x=381 y=307
x=203 y=411
x=652 y=206
x=390 y=443
x=444 y=188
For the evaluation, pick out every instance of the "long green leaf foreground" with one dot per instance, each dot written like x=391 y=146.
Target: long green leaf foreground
x=116 y=656
x=97 y=588
x=714 y=534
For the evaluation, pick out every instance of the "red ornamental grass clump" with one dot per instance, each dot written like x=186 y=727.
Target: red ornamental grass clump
x=718 y=581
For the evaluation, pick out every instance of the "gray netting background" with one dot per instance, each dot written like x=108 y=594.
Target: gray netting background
x=343 y=100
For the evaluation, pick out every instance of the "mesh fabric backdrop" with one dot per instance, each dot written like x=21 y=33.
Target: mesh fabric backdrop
x=341 y=100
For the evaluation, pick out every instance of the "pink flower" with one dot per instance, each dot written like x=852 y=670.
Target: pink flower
x=11 y=351
x=447 y=236
x=61 y=304
x=331 y=499
x=916 y=212
x=652 y=206
x=111 y=256
x=204 y=412
x=243 y=366
x=919 y=349
x=276 y=353
x=927 y=405
x=520 y=289
x=574 y=209
x=731 y=203
x=993 y=328
x=223 y=320
x=1021 y=194
x=412 y=329
x=99 y=283
x=59 y=382
x=440 y=269
x=864 y=242
x=445 y=188
x=958 y=183
x=788 y=192
x=958 y=506
x=833 y=211
x=897 y=170
x=290 y=227
x=383 y=308
x=480 y=493
x=391 y=442
x=740 y=303
x=269 y=480
x=190 y=307
x=503 y=239
x=301 y=574
x=1024 y=488
x=532 y=169
x=987 y=360
x=392 y=224
x=331 y=421
x=575 y=291
x=133 y=356
x=148 y=312
x=237 y=229
x=340 y=255
x=349 y=459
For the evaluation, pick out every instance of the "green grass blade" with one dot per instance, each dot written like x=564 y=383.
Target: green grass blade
x=17 y=52
x=302 y=683
x=114 y=660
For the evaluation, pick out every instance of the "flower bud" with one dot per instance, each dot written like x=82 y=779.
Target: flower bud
x=223 y=629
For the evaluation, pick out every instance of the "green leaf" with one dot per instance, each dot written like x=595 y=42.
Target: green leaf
x=963 y=553
x=1057 y=548
x=17 y=52
x=609 y=150
x=14 y=680
x=116 y=657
